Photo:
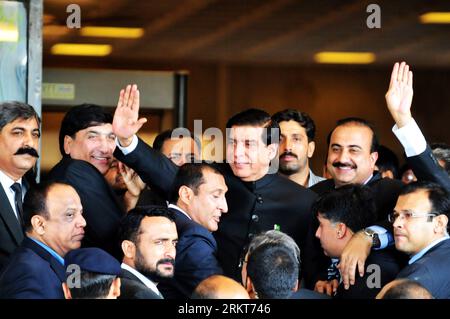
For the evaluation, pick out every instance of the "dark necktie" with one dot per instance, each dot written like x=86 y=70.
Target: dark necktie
x=17 y=188
x=333 y=271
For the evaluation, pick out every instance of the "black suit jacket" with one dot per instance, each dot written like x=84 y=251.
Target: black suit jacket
x=132 y=288
x=196 y=258
x=11 y=233
x=33 y=273
x=101 y=208
x=271 y=202
x=385 y=193
x=384 y=265
x=426 y=168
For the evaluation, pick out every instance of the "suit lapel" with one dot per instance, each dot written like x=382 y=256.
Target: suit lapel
x=9 y=217
x=54 y=264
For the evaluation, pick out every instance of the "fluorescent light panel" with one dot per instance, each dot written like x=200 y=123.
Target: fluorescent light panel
x=112 y=32
x=435 y=17
x=81 y=49
x=344 y=57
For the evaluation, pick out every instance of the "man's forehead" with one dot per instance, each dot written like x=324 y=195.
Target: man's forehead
x=417 y=200
x=291 y=127
x=21 y=122
x=246 y=132
x=102 y=128
x=351 y=135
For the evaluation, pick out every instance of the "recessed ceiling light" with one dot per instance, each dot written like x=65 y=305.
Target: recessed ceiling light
x=112 y=32
x=435 y=17
x=344 y=57
x=81 y=49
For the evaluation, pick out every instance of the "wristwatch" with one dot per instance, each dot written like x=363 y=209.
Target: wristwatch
x=372 y=234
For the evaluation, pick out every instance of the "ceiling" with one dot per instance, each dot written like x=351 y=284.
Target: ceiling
x=256 y=31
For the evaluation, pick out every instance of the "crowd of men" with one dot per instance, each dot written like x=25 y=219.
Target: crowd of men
x=117 y=218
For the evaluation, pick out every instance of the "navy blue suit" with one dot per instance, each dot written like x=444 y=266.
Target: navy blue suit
x=101 y=207
x=32 y=273
x=426 y=168
x=432 y=270
x=196 y=258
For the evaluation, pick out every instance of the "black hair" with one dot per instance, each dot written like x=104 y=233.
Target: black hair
x=192 y=176
x=79 y=118
x=257 y=118
x=438 y=196
x=35 y=202
x=130 y=225
x=273 y=270
x=167 y=135
x=92 y=286
x=301 y=118
x=13 y=110
x=387 y=160
x=350 y=204
x=361 y=122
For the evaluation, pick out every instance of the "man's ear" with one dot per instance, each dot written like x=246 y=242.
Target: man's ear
x=311 y=149
x=273 y=150
x=128 y=249
x=373 y=159
x=67 y=144
x=114 y=290
x=441 y=225
x=250 y=289
x=38 y=224
x=66 y=291
x=341 y=230
x=185 y=194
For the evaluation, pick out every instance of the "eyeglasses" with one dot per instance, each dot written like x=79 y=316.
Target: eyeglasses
x=392 y=217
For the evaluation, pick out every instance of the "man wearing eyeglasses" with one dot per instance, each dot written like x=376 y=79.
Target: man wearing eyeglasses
x=420 y=221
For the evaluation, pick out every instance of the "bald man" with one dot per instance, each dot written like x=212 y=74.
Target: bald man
x=404 y=289
x=219 y=287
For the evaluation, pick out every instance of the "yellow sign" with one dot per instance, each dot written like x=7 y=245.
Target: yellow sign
x=58 y=91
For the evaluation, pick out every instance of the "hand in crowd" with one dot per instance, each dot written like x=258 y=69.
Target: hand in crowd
x=126 y=120
x=326 y=287
x=400 y=94
x=354 y=254
x=131 y=179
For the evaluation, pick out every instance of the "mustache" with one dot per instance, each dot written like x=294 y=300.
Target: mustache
x=288 y=154
x=166 y=260
x=27 y=150
x=340 y=164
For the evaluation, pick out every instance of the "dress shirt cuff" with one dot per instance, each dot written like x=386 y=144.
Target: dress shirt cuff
x=384 y=236
x=130 y=148
x=411 y=138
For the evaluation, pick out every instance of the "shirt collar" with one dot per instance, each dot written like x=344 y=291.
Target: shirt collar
x=179 y=209
x=420 y=254
x=147 y=282
x=7 y=181
x=49 y=250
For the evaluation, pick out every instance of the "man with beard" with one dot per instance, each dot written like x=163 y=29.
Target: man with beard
x=297 y=131
x=19 y=141
x=148 y=237
x=352 y=154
